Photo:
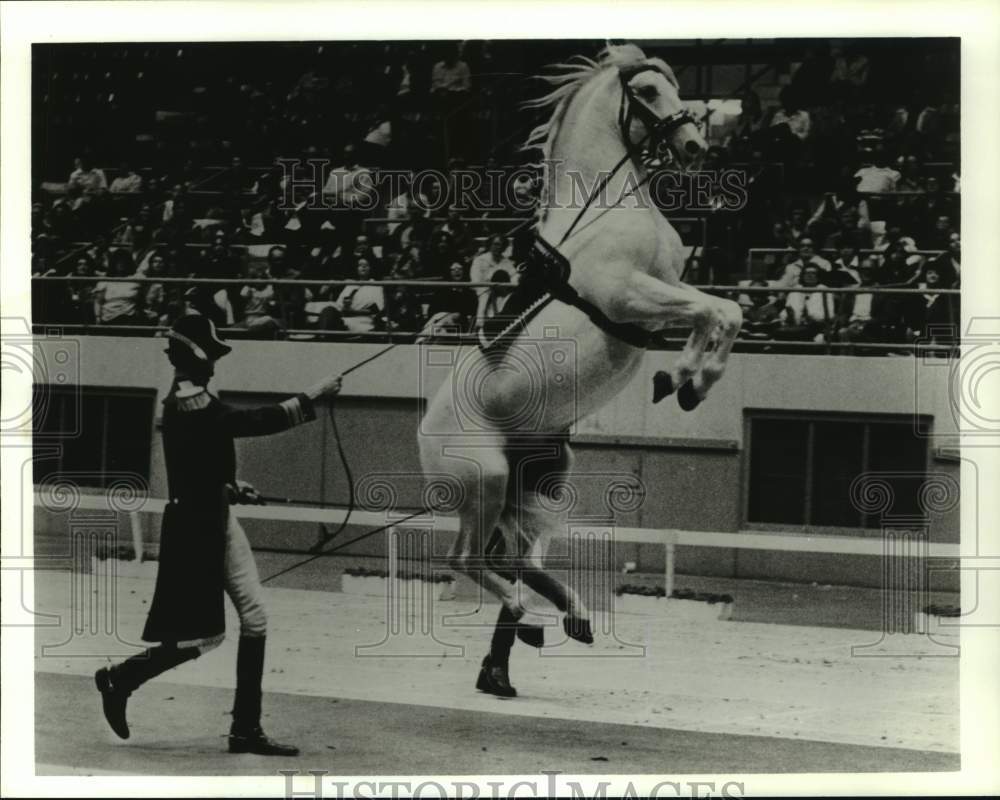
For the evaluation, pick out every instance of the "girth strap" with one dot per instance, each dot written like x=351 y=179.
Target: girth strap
x=554 y=273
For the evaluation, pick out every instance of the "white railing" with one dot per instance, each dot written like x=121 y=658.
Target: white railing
x=670 y=538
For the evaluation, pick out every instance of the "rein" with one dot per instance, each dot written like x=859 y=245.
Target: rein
x=319 y=549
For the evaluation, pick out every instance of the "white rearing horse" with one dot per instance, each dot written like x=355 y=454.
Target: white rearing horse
x=499 y=425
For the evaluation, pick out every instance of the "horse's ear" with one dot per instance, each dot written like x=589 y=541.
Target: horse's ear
x=612 y=44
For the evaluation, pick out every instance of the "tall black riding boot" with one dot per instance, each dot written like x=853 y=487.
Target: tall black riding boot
x=534 y=635
x=246 y=735
x=493 y=675
x=503 y=637
x=117 y=682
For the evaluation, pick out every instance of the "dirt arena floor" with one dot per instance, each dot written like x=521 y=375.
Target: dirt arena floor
x=366 y=688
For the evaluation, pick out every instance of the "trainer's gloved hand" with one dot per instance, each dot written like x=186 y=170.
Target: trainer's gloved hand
x=244 y=494
x=330 y=385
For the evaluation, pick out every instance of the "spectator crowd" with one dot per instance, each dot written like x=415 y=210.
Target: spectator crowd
x=851 y=183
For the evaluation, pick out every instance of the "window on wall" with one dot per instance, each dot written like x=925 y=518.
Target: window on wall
x=95 y=434
x=801 y=468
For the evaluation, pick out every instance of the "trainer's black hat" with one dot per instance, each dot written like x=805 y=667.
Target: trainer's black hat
x=197 y=333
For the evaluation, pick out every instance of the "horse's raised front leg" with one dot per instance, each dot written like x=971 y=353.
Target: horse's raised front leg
x=648 y=301
x=688 y=364
x=730 y=319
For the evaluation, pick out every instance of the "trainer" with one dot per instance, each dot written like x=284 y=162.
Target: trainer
x=204 y=552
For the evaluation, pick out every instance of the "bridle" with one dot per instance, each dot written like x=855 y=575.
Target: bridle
x=659 y=131
x=658 y=139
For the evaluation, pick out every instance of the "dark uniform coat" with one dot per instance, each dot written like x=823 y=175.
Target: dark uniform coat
x=198 y=434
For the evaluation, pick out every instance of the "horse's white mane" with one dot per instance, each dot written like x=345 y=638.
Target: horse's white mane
x=568 y=78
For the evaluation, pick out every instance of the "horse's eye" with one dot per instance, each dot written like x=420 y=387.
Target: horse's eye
x=647 y=92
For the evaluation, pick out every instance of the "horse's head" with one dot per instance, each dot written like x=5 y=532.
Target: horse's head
x=652 y=116
x=585 y=135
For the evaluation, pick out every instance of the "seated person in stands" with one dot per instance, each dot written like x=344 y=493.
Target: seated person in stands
x=910 y=180
x=119 y=302
x=932 y=204
x=87 y=178
x=155 y=302
x=790 y=127
x=290 y=299
x=358 y=307
x=808 y=313
x=484 y=266
x=839 y=208
x=363 y=249
x=763 y=316
x=139 y=230
x=152 y=191
x=851 y=227
x=180 y=228
x=779 y=236
x=218 y=261
x=949 y=263
x=462 y=241
x=416 y=231
x=398 y=208
x=498 y=295
x=892 y=235
x=404 y=314
x=270 y=184
x=856 y=311
x=450 y=77
x=453 y=308
x=439 y=257
x=844 y=271
x=263 y=222
x=260 y=307
x=411 y=261
x=874 y=175
x=796 y=225
x=758 y=272
x=350 y=189
x=939 y=237
x=868 y=316
x=100 y=255
x=80 y=306
x=899 y=267
x=932 y=316
x=126 y=181
x=806 y=256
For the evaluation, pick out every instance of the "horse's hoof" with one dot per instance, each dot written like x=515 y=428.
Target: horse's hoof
x=493 y=679
x=687 y=398
x=663 y=386
x=578 y=628
x=533 y=635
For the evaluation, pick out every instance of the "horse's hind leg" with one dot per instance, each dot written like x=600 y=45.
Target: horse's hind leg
x=531 y=530
x=535 y=526
x=483 y=473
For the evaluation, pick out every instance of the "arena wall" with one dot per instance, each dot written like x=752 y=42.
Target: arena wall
x=693 y=465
